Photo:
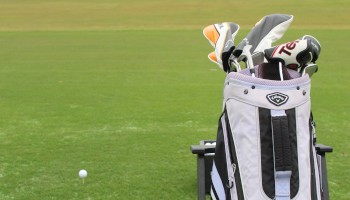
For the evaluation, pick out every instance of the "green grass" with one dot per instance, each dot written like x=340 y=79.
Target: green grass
x=164 y=14
x=81 y=100
x=124 y=97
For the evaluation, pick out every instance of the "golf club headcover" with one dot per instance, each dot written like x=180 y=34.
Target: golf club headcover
x=293 y=54
x=266 y=31
x=212 y=57
x=221 y=37
x=315 y=47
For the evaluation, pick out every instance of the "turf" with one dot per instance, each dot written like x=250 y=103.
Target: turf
x=164 y=14
x=124 y=94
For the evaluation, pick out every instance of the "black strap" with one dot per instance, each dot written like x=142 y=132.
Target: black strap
x=281 y=143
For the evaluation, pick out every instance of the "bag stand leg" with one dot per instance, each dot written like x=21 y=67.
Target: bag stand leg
x=205 y=155
x=322 y=150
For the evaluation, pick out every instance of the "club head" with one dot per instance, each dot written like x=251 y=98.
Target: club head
x=309 y=69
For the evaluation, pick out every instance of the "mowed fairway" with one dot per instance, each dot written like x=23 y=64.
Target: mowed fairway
x=123 y=88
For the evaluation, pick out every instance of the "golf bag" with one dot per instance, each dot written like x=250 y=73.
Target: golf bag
x=265 y=146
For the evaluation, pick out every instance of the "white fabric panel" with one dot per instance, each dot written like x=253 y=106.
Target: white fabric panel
x=244 y=127
x=242 y=91
x=303 y=140
x=230 y=170
x=217 y=183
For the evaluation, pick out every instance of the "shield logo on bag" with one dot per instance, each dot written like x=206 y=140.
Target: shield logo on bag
x=277 y=98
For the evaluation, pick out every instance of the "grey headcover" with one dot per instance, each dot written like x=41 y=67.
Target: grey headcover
x=265 y=32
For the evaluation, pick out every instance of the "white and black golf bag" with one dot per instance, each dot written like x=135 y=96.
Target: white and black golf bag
x=265 y=146
x=265 y=143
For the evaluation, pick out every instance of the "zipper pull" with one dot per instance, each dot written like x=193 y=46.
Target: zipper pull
x=231 y=177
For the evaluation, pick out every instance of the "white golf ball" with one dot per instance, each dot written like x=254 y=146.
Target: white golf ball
x=83 y=173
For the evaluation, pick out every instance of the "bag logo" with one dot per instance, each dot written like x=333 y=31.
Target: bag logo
x=277 y=98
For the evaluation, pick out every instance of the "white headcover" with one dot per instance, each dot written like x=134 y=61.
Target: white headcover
x=221 y=37
x=273 y=35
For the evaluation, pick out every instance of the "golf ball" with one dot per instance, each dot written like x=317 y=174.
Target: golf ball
x=82 y=173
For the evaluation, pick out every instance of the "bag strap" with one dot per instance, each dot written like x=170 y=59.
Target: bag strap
x=282 y=154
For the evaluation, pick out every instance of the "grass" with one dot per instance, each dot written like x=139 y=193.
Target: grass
x=70 y=103
x=164 y=14
x=124 y=97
